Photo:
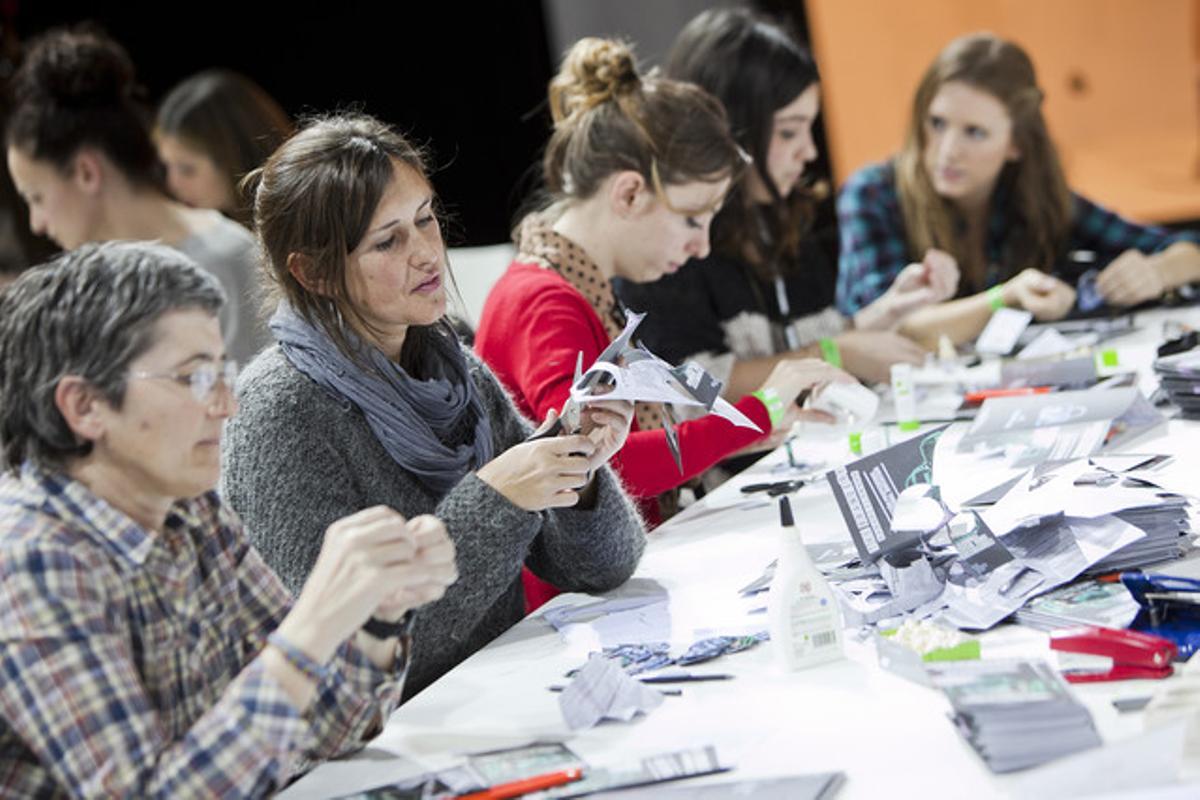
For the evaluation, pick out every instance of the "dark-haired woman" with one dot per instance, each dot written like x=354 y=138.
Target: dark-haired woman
x=765 y=293
x=212 y=130
x=80 y=156
x=369 y=399
x=635 y=169
x=979 y=178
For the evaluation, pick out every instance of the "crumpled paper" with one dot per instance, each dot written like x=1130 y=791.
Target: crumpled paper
x=602 y=690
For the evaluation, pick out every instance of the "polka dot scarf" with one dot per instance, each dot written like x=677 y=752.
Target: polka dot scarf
x=539 y=243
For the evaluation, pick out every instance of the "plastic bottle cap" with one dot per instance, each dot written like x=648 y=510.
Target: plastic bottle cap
x=856 y=444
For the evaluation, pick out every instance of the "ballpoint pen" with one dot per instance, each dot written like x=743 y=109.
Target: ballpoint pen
x=667 y=692
x=688 y=678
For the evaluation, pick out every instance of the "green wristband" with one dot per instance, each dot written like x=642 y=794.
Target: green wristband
x=770 y=398
x=831 y=353
x=995 y=297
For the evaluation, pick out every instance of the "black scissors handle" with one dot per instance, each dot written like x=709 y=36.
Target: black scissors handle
x=555 y=429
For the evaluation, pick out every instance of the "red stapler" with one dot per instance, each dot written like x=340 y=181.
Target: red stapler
x=1122 y=654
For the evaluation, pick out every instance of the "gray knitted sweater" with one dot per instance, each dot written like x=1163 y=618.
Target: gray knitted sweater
x=296 y=458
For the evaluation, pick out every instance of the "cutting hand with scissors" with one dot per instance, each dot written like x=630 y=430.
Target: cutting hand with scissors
x=605 y=422
x=558 y=459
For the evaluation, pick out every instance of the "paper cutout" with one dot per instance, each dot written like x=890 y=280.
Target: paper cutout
x=625 y=371
x=602 y=690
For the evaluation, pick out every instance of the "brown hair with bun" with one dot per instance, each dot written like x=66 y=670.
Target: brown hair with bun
x=75 y=89
x=609 y=118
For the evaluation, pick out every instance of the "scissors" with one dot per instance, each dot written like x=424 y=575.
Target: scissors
x=570 y=418
x=775 y=488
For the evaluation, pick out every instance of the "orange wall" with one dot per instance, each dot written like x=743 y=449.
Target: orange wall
x=1136 y=59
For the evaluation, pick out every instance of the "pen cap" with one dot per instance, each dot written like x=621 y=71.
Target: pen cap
x=785 y=512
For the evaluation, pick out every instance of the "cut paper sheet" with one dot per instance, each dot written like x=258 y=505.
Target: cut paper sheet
x=866 y=491
x=645 y=378
x=625 y=371
x=1031 y=429
x=1043 y=558
x=1048 y=343
x=1002 y=331
x=602 y=690
x=1129 y=765
x=592 y=609
x=1076 y=489
x=365 y=770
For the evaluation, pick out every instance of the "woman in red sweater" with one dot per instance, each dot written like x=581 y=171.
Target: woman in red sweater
x=635 y=170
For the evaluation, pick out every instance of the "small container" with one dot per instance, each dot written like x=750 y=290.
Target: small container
x=805 y=622
x=903 y=398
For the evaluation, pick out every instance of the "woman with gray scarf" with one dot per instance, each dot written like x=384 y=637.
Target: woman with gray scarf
x=369 y=399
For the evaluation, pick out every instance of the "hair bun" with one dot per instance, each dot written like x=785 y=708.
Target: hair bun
x=593 y=72
x=76 y=69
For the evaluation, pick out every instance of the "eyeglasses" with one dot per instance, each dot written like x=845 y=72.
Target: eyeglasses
x=202 y=380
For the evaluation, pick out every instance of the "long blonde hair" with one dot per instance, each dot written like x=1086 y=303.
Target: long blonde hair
x=1038 y=202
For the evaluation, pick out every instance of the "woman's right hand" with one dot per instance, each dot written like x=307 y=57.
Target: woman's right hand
x=542 y=473
x=369 y=561
x=932 y=280
x=1045 y=296
x=791 y=376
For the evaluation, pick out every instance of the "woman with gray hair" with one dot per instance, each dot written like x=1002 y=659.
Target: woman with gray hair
x=147 y=649
x=370 y=398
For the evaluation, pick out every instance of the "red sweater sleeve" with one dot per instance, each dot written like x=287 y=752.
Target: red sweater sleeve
x=532 y=329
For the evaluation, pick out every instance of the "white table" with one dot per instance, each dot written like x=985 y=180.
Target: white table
x=890 y=736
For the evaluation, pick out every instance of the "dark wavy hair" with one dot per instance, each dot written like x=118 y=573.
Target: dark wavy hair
x=754 y=67
x=77 y=88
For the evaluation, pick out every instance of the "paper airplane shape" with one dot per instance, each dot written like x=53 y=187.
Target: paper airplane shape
x=627 y=371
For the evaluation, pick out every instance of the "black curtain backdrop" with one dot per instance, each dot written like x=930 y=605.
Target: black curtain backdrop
x=466 y=79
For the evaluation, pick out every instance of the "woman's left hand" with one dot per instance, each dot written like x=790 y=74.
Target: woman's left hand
x=606 y=423
x=1130 y=279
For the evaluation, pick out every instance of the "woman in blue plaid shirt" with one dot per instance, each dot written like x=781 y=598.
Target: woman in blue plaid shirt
x=978 y=181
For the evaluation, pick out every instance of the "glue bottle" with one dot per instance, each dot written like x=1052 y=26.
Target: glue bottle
x=902 y=396
x=806 y=625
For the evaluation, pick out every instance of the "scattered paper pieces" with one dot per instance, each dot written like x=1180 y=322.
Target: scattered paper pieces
x=1048 y=343
x=1003 y=330
x=1132 y=765
x=602 y=690
x=365 y=770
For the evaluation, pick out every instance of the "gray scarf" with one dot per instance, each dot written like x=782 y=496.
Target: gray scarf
x=411 y=418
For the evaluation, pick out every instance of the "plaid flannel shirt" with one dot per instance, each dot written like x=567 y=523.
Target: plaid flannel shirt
x=130 y=659
x=874 y=245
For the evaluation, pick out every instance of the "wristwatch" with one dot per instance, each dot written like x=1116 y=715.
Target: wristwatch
x=383 y=629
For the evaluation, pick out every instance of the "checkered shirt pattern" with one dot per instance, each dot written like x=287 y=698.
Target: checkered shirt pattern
x=874 y=245
x=130 y=659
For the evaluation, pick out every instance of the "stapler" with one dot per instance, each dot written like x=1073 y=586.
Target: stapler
x=1121 y=654
x=1170 y=608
